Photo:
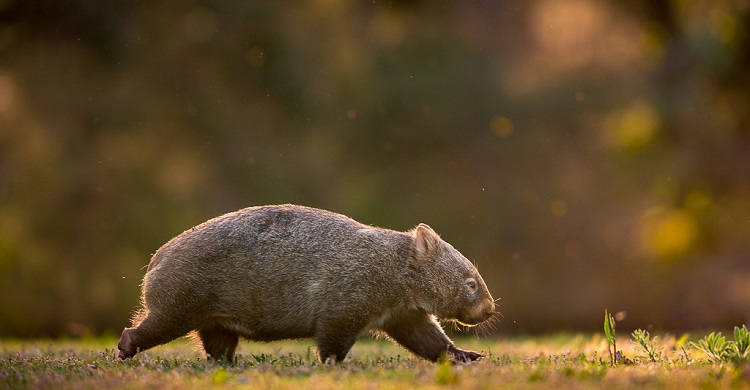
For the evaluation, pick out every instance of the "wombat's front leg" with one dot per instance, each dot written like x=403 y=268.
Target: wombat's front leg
x=421 y=334
x=334 y=338
x=458 y=355
x=219 y=342
x=335 y=350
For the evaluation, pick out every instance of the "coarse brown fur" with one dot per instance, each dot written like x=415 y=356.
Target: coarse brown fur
x=284 y=272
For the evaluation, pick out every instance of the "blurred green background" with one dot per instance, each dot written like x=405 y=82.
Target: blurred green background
x=586 y=154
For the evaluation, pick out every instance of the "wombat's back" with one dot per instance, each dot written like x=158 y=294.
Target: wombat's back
x=268 y=272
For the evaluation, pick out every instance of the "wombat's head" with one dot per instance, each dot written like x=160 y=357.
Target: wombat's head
x=445 y=283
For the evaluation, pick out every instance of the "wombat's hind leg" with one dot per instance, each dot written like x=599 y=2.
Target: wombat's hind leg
x=148 y=334
x=219 y=342
x=334 y=344
x=126 y=345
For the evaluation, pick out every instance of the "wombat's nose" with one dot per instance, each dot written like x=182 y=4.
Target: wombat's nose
x=489 y=308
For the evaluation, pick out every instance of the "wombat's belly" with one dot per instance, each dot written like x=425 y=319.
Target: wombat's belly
x=268 y=328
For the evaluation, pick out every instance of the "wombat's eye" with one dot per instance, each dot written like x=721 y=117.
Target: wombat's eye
x=471 y=284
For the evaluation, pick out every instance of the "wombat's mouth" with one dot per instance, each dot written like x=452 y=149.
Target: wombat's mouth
x=476 y=315
x=469 y=324
x=472 y=321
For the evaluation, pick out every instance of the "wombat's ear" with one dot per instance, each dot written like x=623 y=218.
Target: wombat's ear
x=425 y=239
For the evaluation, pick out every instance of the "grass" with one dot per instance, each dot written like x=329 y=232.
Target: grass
x=561 y=361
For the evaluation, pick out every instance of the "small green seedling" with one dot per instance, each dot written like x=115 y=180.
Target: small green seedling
x=609 y=333
x=719 y=350
x=741 y=347
x=643 y=338
x=715 y=346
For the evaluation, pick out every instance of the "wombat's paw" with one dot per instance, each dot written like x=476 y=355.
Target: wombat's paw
x=460 y=356
x=125 y=345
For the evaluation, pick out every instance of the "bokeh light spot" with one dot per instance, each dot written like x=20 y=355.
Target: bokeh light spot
x=559 y=208
x=697 y=201
x=501 y=126
x=634 y=127
x=668 y=234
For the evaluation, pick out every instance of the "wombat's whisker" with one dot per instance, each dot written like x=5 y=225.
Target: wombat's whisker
x=490 y=325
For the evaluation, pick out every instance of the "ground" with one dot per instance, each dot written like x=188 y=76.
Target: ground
x=560 y=361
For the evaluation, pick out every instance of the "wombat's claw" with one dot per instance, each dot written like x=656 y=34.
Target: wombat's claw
x=460 y=356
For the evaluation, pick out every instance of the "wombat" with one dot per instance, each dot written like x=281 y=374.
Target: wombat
x=285 y=272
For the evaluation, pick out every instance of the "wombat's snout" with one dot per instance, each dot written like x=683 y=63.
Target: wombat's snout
x=478 y=313
x=488 y=310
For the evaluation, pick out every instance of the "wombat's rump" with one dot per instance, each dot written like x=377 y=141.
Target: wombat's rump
x=284 y=272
